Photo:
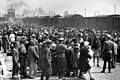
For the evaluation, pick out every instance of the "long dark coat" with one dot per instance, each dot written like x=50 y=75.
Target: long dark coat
x=46 y=62
x=32 y=54
x=5 y=42
x=74 y=57
x=40 y=53
x=60 y=52
x=54 y=62
x=83 y=62
x=15 y=58
x=32 y=58
x=22 y=59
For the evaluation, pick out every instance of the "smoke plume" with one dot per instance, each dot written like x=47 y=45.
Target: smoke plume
x=24 y=9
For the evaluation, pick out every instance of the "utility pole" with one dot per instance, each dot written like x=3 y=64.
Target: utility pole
x=95 y=13
x=74 y=12
x=85 y=19
x=114 y=9
x=85 y=12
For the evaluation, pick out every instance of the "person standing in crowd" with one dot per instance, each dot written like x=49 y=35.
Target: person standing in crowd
x=75 y=57
x=15 y=59
x=83 y=62
x=85 y=36
x=60 y=53
x=114 y=55
x=107 y=52
x=32 y=58
x=118 y=55
x=115 y=38
x=40 y=52
x=22 y=58
x=36 y=47
x=102 y=39
x=5 y=41
x=96 y=48
x=34 y=38
x=0 y=41
x=68 y=59
x=46 y=61
x=54 y=59
x=12 y=37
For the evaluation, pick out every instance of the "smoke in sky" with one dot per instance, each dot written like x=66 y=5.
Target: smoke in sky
x=35 y=7
x=23 y=8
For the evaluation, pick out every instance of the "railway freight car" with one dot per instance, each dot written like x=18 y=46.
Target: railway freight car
x=103 y=22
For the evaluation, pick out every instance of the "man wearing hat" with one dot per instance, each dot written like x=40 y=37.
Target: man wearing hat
x=15 y=58
x=115 y=37
x=118 y=55
x=22 y=58
x=32 y=58
x=54 y=59
x=107 y=52
x=33 y=37
x=114 y=55
x=5 y=42
x=60 y=53
x=46 y=61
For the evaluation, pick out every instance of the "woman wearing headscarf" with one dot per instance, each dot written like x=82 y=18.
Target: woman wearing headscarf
x=75 y=57
x=83 y=62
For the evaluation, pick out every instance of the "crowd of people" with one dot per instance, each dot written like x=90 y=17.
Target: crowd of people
x=59 y=52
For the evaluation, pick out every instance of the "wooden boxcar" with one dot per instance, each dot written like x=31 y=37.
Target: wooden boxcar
x=104 y=22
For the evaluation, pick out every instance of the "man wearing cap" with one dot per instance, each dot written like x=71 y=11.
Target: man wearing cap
x=60 y=53
x=34 y=38
x=54 y=59
x=118 y=55
x=107 y=52
x=5 y=42
x=22 y=58
x=115 y=37
x=32 y=58
x=46 y=61
x=40 y=51
x=36 y=44
x=114 y=55
x=15 y=58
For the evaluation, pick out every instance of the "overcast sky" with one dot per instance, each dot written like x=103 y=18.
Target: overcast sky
x=59 y=6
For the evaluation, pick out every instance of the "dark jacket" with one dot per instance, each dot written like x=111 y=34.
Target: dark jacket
x=108 y=47
x=15 y=55
x=22 y=51
x=83 y=62
x=46 y=61
x=32 y=54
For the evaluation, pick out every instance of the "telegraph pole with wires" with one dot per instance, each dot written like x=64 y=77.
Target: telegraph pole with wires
x=114 y=9
x=85 y=18
x=85 y=12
